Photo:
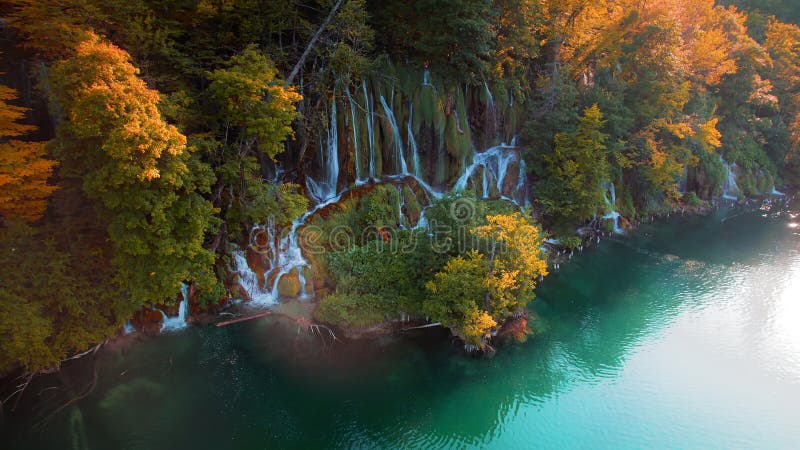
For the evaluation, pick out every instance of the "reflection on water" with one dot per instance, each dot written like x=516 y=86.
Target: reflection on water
x=681 y=335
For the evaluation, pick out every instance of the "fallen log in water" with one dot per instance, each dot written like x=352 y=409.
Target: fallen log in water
x=244 y=319
x=429 y=325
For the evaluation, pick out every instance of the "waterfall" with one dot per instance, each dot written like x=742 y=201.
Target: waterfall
x=128 y=328
x=426 y=78
x=354 y=125
x=289 y=257
x=370 y=113
x=611 y=198
x=494 y=162
x=326 y=187
x=412 y=143
x=248 y=279
x=611 y=203
x=489 y=96
x=422 y=223
x=178 y=322
x=491 y=169
x=400 y=205
x=730 y=190
x=398 y=143
x=684 y=179
x=521 y=190
x=491 y=106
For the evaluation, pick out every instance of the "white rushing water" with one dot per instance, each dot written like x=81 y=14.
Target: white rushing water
x=370 y=116
x=412 y=143
x=326 y=187
x=178 y=322
x=398 y=142
x=611 y=203
x=285 y=255
x=288 y=257
x=730 y=190
x=494 y=164
x=356 y=147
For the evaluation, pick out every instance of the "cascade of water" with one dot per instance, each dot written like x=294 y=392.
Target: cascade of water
x=489 y=96
x=370 y=113
x=491 y=106
x=178 y=322
x=730 y=190
x=485 y=182
x=401 y=204
x=412 y=143
x=422 y=223
x=520 y=194
x=354 y=125
x=611 y=198
x=684 y=179
x=326 y=187
x=494 y=162
x=398 y=143
x=128 y=328
x=611 y=202
x=286 y=253
x=776 y=192
x=289 y=257
x=248 y=279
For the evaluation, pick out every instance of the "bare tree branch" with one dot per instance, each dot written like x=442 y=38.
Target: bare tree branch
x=313 y=41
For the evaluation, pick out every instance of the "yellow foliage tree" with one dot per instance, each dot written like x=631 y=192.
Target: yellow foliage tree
x=515 y=262
x=23 y=168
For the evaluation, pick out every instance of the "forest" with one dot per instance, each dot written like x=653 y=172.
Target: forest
x=149 y=147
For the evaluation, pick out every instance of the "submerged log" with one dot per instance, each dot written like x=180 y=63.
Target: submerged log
x=429 y=325
x=244 y=319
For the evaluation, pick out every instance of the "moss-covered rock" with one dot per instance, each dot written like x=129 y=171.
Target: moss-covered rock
x=289 y=285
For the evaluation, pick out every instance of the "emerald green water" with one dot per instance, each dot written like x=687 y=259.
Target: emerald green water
x=682 y=335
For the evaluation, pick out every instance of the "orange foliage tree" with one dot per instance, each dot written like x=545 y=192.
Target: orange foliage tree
x=24 y=170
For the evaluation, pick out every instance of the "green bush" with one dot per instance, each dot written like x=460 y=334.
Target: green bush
x=692 y=199
x=350 y=310
x=571 y=242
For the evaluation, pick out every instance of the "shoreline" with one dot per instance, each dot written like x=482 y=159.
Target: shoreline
x=300 y=312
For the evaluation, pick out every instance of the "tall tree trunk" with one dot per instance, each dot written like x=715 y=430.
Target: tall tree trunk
x=313 y=41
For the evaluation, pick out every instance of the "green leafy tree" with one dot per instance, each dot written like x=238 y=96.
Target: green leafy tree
x=474 y=293
x=256 y=114
x=456 y=295
x=577 y=170
x=257 y=110
x=452 y=36
x=54 y=302
x=137 y=167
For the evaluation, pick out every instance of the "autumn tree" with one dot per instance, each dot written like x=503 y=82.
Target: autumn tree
x=53 y=28
x=137 y=167
x=456 y=298
x=473 y=293
x=511 y=244
x=24 y=170
x=783 y=44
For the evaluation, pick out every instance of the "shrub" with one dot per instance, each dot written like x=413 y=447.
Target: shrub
x=692 y=199
x=350 y=310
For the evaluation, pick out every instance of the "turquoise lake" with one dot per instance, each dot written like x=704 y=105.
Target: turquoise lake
x=682 y=334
